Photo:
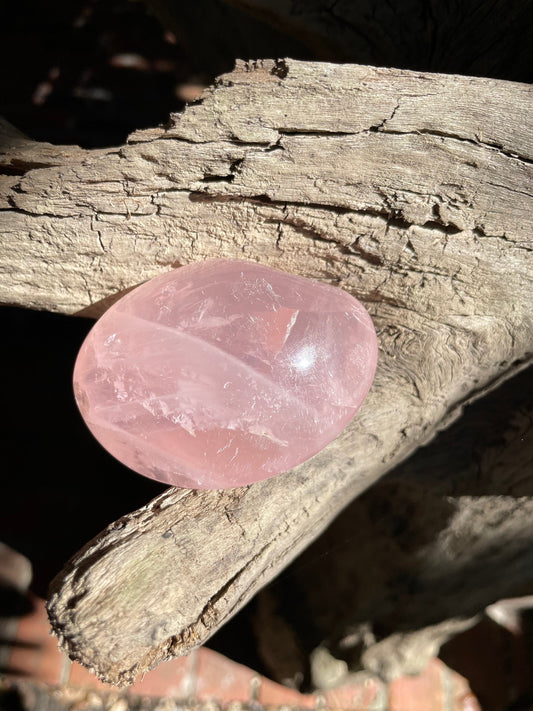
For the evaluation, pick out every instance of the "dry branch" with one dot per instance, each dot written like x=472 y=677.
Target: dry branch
x=412 y=191
x=416 y=557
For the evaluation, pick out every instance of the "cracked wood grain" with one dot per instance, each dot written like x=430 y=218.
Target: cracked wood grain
x=412 y=191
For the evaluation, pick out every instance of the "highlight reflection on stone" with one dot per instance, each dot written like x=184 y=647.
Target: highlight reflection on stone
x=224 y=373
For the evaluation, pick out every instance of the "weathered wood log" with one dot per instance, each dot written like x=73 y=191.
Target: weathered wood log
x=416 y=557
x=412 y=191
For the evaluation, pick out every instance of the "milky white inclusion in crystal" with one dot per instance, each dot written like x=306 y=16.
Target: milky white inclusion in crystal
x=224 y=373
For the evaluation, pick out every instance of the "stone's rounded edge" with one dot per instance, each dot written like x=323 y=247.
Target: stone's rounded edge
x=219 y=266
x=208 y=265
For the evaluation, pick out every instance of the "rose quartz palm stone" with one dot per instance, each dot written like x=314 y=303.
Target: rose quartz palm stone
x=224 y=373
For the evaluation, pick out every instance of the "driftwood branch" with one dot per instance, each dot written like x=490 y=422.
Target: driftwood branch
x=416 y=557
x=412 y=191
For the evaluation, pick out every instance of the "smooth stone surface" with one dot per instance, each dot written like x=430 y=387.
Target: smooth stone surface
x=224 y=373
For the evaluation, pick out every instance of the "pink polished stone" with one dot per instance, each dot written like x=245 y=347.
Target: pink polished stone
x=224 y=373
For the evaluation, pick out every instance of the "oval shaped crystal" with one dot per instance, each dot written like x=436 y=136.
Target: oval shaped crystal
x=224 y=373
